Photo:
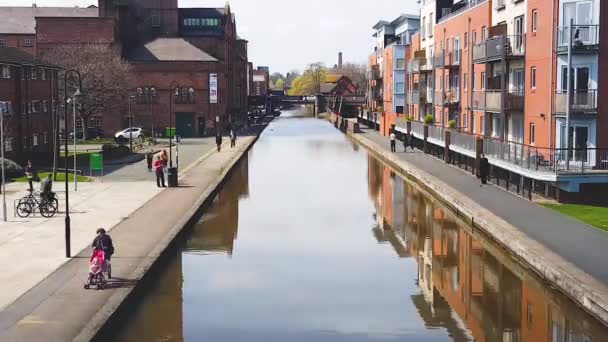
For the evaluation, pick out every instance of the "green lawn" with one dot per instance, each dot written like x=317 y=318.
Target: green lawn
x=60 y=177
x=595 y=216
x=95 y=142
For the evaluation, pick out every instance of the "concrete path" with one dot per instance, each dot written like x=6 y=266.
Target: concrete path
x=59 y=309
x=576 y=242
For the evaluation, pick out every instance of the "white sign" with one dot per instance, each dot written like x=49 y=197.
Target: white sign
x=213 y=88
x=259 y=78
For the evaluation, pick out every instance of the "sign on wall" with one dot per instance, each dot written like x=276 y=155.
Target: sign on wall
x=213 y=88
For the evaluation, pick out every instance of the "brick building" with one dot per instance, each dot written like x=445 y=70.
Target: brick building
x=28 y=102
x=196 y=51
x=261 y=81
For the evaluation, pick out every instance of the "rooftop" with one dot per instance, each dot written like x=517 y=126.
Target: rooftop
x=22 y=20
x=170 y=49
x=16 y=56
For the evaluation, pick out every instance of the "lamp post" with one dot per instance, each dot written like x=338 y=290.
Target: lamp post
x=130 y=125
x=172 y=85
x=65 y=121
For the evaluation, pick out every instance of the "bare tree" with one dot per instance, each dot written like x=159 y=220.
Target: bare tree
x=317 y=72
x=104 y=78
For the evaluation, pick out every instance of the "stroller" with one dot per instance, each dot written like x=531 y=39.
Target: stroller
x=98 y=266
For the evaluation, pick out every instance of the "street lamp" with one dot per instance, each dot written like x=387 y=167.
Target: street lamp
x=65 y=121
x=130 y=124
x=172 y=85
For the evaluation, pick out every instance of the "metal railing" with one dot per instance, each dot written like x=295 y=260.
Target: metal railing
x=581 y=101
x=427 y=64
x=439 y=98
x=439 y=59
x=515 y=100
x=418 y=128
x=463 y=140
x=584 y=37
x=452 y=96
x=493 y=100
x=479 y=51
x=499 y=46
x=413 y=96
x=437 y=133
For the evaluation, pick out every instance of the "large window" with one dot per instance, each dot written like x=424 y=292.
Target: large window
x=6 y=71
x=399 y=87
x=201 y=22
x=400 y=63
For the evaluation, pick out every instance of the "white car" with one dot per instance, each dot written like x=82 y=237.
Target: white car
x=135 y=132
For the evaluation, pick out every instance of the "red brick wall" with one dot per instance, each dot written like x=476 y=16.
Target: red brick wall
x=160 y=75
x=55 y=31
x=18 y=41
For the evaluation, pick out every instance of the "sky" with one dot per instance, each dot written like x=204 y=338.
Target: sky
x=289 y=34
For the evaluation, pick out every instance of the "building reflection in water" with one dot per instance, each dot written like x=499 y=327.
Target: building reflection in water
x=469 y=285
x=217 y=230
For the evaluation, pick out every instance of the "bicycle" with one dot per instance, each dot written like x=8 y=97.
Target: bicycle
x=34 y=201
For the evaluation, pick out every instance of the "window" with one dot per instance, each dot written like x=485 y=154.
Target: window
x=400 y=64
x=35 y=140
x=473 y=79
x=465 y=123
x=6 y=72
x=532 y=133
x=533 y=78
x=33 y=73
x=466 y=40
x=400 y=87
x=6 y=108
x=483 y=81
x=8 y=144
x=46 y=138
x=43 y=74
x=45 y=106
x=399 y=109
x=430 y=23
x=473 y=123
x=474 y=37
x=484 y=33
x=466 y=82
x=457 y=50
x=27 y=42
x=534 y=20
x=423 y=28
x=2 y=41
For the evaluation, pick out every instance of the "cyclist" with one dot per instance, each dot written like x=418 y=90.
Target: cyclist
x=46 y=188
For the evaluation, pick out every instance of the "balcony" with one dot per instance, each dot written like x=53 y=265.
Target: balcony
x=413 y=97
x=489 y=100
x=426 y=65
x=585 y=38
x=496 y=48
x=500 y=4
x=583 y=102
x=439 y=99
x=479 y=99
x=514 y=100
x=415 y=65
x=454 y=58
x=439 y=59
x=452 y=97
x=374 y=73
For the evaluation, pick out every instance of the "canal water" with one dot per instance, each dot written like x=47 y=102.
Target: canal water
x=313 y=239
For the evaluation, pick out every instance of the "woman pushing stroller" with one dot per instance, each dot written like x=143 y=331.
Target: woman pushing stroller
x=100 y=260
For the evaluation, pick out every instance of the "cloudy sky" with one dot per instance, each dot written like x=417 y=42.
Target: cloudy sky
x=288 y=34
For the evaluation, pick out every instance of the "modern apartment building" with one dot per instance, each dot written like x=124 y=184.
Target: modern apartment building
x=387 y=67
x=499 y=70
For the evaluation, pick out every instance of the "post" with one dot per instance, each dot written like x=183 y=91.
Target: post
x=130 y=126
x=3 y=178
x=569 y=93
x=74 y=114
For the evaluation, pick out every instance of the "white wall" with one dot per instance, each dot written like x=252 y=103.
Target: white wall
x=509 y=13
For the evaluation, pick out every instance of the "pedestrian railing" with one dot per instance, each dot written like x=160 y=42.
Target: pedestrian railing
x=437 y=133
x=463 y=140
x=418 y=129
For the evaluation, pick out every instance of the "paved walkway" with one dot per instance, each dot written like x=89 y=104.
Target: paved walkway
x=58 y=307
x=576 y=242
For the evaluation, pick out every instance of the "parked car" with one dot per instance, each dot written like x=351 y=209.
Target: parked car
x=136 y=132
x=92 y=133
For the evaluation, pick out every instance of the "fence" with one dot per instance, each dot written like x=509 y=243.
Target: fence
x=418 y=129
x=437 y=133
x=463 y=140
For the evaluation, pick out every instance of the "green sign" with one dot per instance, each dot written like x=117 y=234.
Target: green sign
x=96 y=162
x=169 y=132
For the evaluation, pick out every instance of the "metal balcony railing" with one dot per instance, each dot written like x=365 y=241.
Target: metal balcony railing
x=452 y=96
x=499 y=46
x=584 y=37
x=479 y=52
x=493 y=100
x=582 y=101
x=439 y=59
x=515 y=100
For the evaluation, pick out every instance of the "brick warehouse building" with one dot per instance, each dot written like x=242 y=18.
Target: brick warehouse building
x=28 y=96
x=195 y=49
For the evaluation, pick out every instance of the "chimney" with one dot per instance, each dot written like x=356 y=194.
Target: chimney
x=339 y=59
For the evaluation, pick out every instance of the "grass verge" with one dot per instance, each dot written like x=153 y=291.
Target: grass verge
x=595 y=216
x=60 y=177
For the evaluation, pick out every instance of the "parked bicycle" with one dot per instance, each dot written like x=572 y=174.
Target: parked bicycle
x=33 y=202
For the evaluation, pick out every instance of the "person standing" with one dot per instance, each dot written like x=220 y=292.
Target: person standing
x=164 y=156
x=29 y=174
x=160 y=174
x=393 y=137
x=150 y=160
x=232 y=138
x=484 y=166
x=411 y=140
x=218 y=140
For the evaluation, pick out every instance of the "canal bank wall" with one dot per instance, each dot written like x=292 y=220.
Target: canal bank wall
x=584 y=289
x=60 y=309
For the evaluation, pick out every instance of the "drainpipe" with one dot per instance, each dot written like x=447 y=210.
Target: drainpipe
x=552 y=85
x=568 y=93
x=471 y=73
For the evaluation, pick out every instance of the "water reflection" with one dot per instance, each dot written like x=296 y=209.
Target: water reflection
x=492 y=297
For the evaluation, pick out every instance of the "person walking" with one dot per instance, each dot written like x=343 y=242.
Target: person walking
x=411 y=140
x=150 y=160
x=164 y=156
x=484 y=166
x=160 y=173
x=218 y=140
x=232 y=138
x=393 y=137
x=29 y=174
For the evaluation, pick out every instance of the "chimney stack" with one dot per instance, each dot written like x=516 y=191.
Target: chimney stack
x=339 y=59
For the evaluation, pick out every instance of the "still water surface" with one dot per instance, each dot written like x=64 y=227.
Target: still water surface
x=312 y=239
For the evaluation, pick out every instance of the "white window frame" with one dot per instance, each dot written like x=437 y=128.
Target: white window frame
x=532 y=133
x=533 y=78
x=465 y=82
x=483 y=80
x=6 y=72
x=534 y=20
x=456 y=49
x=35 y=140
x=8 y=144
x=27 y=42
x=46 y=138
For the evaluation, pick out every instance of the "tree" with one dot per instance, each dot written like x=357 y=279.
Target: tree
x=316 y=72
x=290 y=77
x=104 y=76
x=275 y=77
x=280 y=84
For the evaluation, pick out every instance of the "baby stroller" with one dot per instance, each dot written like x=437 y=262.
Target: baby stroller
x=98 y=266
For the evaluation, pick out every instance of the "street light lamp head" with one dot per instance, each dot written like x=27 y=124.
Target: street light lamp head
x=77 y=93
x=177 y=91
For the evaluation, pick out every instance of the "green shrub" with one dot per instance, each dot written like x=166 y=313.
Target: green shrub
x=12 y=169
x=452 y=124
x=380 y=109
x=428 y=119
x=115 y=151
x=409 y=118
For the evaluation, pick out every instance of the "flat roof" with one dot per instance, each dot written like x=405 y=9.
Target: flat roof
x=22 y=20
